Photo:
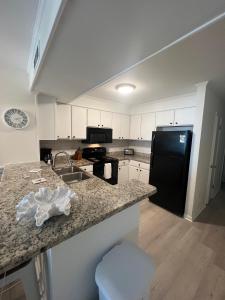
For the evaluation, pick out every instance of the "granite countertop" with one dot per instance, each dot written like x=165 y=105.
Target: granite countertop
x=141 y=157
x=97 y=200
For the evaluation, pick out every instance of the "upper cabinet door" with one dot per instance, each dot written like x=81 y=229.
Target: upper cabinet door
x=125 y=127
x=63 y=121
x=106 y=119
x=79 y=122
x=185 y=116
x=94 y=117
x=135 y=127
x=116 y=126
x=164 y=118
x=147 y=126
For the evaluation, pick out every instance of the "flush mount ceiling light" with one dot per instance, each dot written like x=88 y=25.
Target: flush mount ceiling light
x=125 y=88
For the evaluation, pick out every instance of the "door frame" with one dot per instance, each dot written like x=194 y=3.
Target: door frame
x=213 y=149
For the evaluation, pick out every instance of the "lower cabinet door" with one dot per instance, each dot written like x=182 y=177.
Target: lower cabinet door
x=133 y=173
x=123 y=175
x=144 y=175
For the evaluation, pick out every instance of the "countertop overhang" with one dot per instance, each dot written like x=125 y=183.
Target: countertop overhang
x=97 y=200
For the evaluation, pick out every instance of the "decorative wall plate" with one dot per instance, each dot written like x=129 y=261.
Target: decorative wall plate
x=16 y=118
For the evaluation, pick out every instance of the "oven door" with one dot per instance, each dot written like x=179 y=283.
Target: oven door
x=98 y=170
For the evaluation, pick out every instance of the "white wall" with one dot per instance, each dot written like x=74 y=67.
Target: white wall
x=103 y=104
x=17 y=145
x=187 y=100
x=212 y=105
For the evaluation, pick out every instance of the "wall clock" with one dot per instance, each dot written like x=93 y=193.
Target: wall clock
x=16 y=118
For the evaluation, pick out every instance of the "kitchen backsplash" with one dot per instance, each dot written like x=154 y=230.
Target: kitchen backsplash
x=71 y=145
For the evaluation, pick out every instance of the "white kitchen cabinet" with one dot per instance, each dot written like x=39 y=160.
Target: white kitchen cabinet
x=144 y=175
x=121 y=126
x=142 y=126
x=116 y=126
x=133 y=172
x=124 y=126
x=184 y=116
x=94 y=117
x=106 y=119
x=88 y=168
x=63 y=121
x=46 y=119
x=123 y=174
x=147 y=126
x=135 y=127
x=79 y=122
x=139 y=171
x=164 y=118
x=99 y=118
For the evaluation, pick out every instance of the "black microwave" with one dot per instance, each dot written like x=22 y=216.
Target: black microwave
x=98 y=135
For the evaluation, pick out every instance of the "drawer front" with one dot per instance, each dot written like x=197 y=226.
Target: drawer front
x=134 y=163
x=87 y=168
x=123 y=162
x=144 y=166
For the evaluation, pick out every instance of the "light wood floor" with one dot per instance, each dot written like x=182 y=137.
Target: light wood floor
x=189 y=257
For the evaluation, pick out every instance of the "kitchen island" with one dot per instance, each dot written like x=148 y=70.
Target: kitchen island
x=103 y=215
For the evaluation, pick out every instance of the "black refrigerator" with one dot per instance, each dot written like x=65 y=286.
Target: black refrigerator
x=169 y=166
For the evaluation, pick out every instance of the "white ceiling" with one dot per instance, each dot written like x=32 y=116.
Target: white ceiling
x=98 y=39
x=198 y=58
x=17 y=18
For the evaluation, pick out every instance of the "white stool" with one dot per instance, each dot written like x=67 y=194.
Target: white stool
x=27 y=274
x=124 y=273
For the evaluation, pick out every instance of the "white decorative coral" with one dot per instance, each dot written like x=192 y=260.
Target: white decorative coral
x=44 y=204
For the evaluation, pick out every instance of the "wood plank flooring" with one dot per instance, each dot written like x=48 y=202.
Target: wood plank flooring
x=189 y=257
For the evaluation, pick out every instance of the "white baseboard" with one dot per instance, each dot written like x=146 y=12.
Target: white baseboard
x=188 y=218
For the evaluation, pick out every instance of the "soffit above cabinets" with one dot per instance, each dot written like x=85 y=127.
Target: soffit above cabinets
x=16 y=22
x=95 y=40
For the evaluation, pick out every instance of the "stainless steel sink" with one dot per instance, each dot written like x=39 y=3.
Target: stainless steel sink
x=74 y=177
x=71 y=174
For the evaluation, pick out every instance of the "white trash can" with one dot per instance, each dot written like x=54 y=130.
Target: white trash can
x=124 y=273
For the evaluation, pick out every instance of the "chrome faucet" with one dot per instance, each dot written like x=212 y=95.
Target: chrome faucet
x=67 y=157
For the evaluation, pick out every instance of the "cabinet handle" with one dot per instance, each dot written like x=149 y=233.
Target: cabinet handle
x=141 y=138
x=140 y=170
x=171 y=123
x=102 y=125
x=98 y=125
x=57 y=136
x=68 y=136
x=136 y=169
x=176 y=122
x=74 y=137
x=119 y=137
x=138 y=138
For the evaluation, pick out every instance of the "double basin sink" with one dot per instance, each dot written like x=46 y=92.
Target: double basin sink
x=71 y=174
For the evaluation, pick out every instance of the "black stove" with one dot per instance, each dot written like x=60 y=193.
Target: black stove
x=98 y=156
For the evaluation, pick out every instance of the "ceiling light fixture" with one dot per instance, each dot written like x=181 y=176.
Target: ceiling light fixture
x=125 y=88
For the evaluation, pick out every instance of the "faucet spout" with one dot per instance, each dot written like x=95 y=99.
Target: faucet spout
x=67 y=158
